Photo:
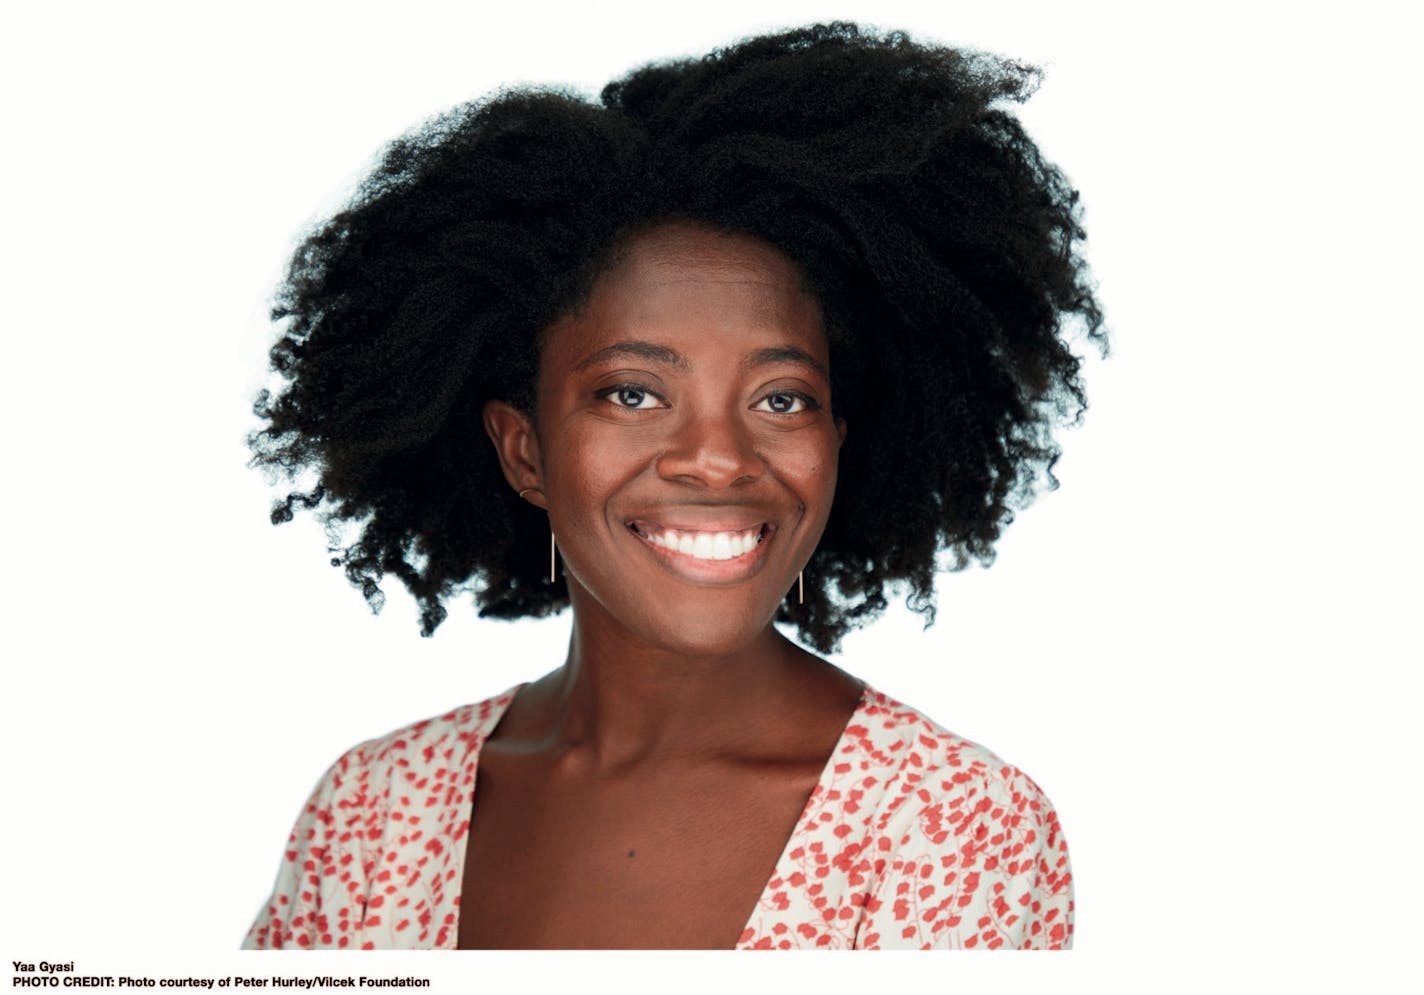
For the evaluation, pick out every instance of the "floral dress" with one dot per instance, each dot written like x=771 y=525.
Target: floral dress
x=912 y=838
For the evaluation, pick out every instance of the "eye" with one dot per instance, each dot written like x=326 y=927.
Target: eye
x=631 y=397
x=787 y=402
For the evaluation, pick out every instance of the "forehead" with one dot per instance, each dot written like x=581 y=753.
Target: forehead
x=691 y=287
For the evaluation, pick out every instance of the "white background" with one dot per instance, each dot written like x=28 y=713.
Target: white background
x=1198 y=645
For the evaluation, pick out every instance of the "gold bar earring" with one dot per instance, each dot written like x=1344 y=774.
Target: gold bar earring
x=800 y=589
x=551 y=556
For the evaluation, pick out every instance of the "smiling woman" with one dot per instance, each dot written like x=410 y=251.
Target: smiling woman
x=703 y=324
x=685 y=408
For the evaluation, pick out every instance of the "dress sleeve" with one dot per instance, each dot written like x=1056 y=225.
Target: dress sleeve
x=317 y=901
x=983 y=865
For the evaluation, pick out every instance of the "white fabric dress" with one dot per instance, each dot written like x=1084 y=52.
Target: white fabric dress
x=912 y=838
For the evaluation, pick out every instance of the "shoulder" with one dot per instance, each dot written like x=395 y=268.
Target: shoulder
x=928 y=760
x=969 y=848
x=385 y=804
x=435 y=745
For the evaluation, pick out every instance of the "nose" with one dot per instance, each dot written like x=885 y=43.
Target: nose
x=713 y=449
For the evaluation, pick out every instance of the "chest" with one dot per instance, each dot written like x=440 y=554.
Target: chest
x=665 y=859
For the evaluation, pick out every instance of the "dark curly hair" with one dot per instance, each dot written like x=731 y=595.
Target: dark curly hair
x=942 y=246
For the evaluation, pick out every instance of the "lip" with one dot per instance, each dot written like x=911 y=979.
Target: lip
x=708 y=571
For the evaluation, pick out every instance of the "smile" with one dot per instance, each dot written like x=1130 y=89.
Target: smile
x=726 y=545
x=727 y=553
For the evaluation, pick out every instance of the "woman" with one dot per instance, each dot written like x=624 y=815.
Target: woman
x=751 y=339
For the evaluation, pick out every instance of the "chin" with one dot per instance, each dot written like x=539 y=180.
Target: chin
x=707 y=631
x=683 y=619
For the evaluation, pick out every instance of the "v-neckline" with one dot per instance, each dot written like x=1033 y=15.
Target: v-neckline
x=783 y=869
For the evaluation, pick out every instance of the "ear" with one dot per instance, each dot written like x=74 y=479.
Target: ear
x=840 y=431
x=517 y=446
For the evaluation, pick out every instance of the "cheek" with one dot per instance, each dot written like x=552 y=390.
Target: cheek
x=590 y=467
x=809 y=469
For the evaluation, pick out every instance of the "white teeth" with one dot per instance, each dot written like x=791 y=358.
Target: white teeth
x=709 y=545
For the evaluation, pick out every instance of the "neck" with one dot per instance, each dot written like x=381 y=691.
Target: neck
x=620 y=701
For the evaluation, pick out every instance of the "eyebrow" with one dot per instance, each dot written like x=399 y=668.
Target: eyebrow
x=638 y=349
x=786 y=354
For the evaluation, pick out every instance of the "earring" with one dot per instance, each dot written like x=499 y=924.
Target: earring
x=800 y=588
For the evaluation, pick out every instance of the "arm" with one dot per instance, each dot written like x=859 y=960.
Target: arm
x=983 y=865
x=318 y=898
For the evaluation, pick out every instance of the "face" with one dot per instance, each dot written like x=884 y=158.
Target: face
x=683 y=440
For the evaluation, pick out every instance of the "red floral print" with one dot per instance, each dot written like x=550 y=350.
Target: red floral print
x=912 y=838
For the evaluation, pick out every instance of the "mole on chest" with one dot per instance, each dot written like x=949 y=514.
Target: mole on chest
x=680 y=871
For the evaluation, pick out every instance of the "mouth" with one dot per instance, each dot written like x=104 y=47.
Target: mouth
x=704 y=544
x=717 y=553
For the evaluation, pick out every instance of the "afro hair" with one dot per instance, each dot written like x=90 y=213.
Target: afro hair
x=943 y=247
